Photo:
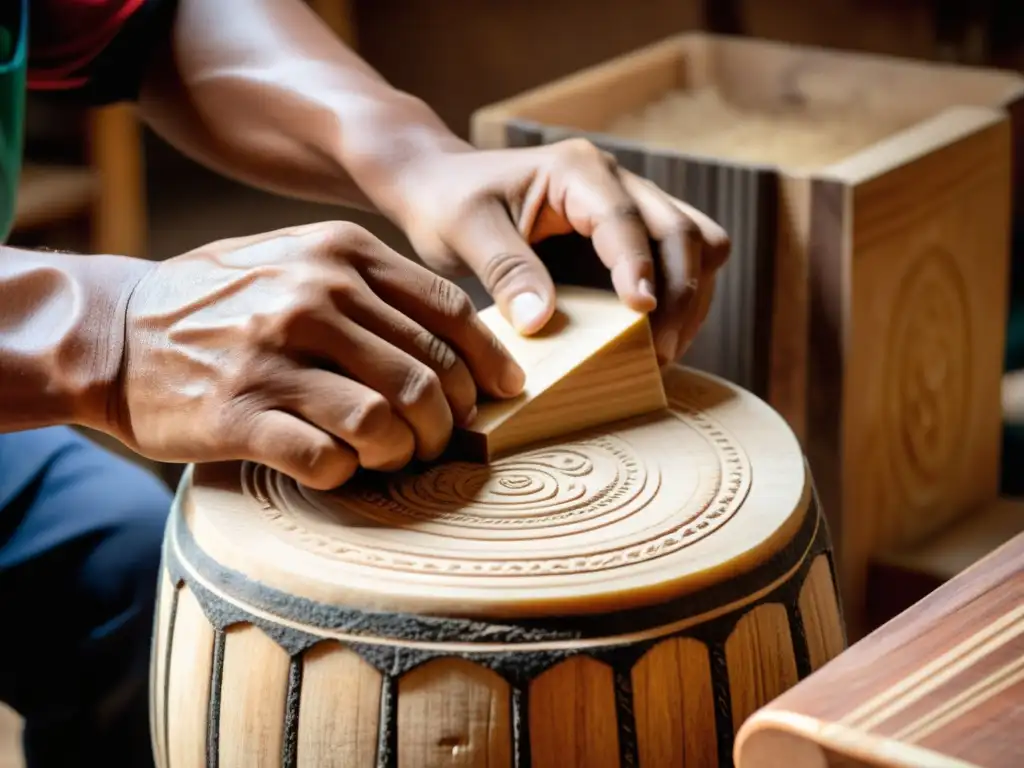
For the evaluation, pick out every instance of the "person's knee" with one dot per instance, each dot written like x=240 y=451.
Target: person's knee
x=122 y=570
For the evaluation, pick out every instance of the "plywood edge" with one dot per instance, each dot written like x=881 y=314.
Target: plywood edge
x=915 y=143
x=827 y=331
x=806 y=740
x=787 y=376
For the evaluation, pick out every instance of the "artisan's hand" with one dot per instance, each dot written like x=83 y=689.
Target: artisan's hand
x=312 y=350
x=484 y=209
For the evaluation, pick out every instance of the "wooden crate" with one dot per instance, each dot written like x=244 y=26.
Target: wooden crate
x=869 y=203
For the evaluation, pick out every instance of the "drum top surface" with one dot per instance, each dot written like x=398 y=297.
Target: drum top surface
x=632 y=514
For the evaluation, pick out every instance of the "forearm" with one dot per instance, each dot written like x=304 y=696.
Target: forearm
x=271 y=97
x=61 y=336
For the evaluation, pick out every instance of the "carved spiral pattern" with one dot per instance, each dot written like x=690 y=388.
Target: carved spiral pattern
x=533 y=490
x=927 y=377
x=589 y=505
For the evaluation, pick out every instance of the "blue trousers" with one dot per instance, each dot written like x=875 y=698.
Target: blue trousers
x=80 y=533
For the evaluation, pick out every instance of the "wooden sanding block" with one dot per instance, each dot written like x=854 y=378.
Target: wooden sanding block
x=594 y=363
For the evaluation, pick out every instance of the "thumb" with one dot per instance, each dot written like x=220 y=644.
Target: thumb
x=510 y=271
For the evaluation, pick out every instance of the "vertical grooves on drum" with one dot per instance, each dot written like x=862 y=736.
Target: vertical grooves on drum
x=292 y=701
x=723 y=700
x=387 y=735
x=213 y=719
x=166 y=682
x=801 y=652
x=521 y=727
x=626 y=719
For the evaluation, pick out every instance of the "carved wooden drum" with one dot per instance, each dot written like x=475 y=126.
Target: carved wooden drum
x=624 y=597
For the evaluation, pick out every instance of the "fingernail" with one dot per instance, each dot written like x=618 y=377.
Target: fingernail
x=470 y=417
x=646 y=289
x=527 y=309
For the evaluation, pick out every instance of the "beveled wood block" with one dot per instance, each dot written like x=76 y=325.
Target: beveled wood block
x=868 y=200
x=939 y=686
x=626 y=595
x=594 y=363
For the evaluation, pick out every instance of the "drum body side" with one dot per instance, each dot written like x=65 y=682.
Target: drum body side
x=246 y=676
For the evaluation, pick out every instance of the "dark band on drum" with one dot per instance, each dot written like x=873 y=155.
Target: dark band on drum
x=292 y=702
x=213 y=719
x=520 y=727
x=798 y=635
x=724 y=730
x=810 y=540
x=387 y=730
x=625 y=717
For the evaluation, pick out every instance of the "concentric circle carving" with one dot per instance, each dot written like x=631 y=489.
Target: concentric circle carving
x=533 y=490
x=928 y=372
x=604 y=500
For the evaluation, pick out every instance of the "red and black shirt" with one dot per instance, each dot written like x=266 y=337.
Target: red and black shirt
x=94 y=50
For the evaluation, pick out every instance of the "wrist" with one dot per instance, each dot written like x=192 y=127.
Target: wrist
x=384 y=146
x=61 y=336
x=97 y=349
x=79 y=357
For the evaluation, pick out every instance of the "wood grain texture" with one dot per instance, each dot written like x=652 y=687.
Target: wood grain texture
x=453 y=713
x=939 y=685
x=188 y=683
x=340 y=706
x=675 y=706
x=252 y=718
x=377 y=655
x=924 y=322
x=788 y=349
x=573 y=720
x=594 y=363
x=821 y=614
x=761 y=660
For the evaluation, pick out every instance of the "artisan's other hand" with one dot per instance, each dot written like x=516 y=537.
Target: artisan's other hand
x=484 y=209
x=312 y=350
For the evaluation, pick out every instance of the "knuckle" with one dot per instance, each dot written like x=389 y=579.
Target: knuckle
x=719 y=251
x=503 y=270
x=680 y=227
x=625 y=211
x=369 y=418
x=450 y=299
x=343 y=292
x=437 y=351
x=343 y=233
x=344 y=240
x=315 y=454
x=581 y=148
x=421 y=386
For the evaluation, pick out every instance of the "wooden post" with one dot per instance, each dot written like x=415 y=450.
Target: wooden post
x=119 y=214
